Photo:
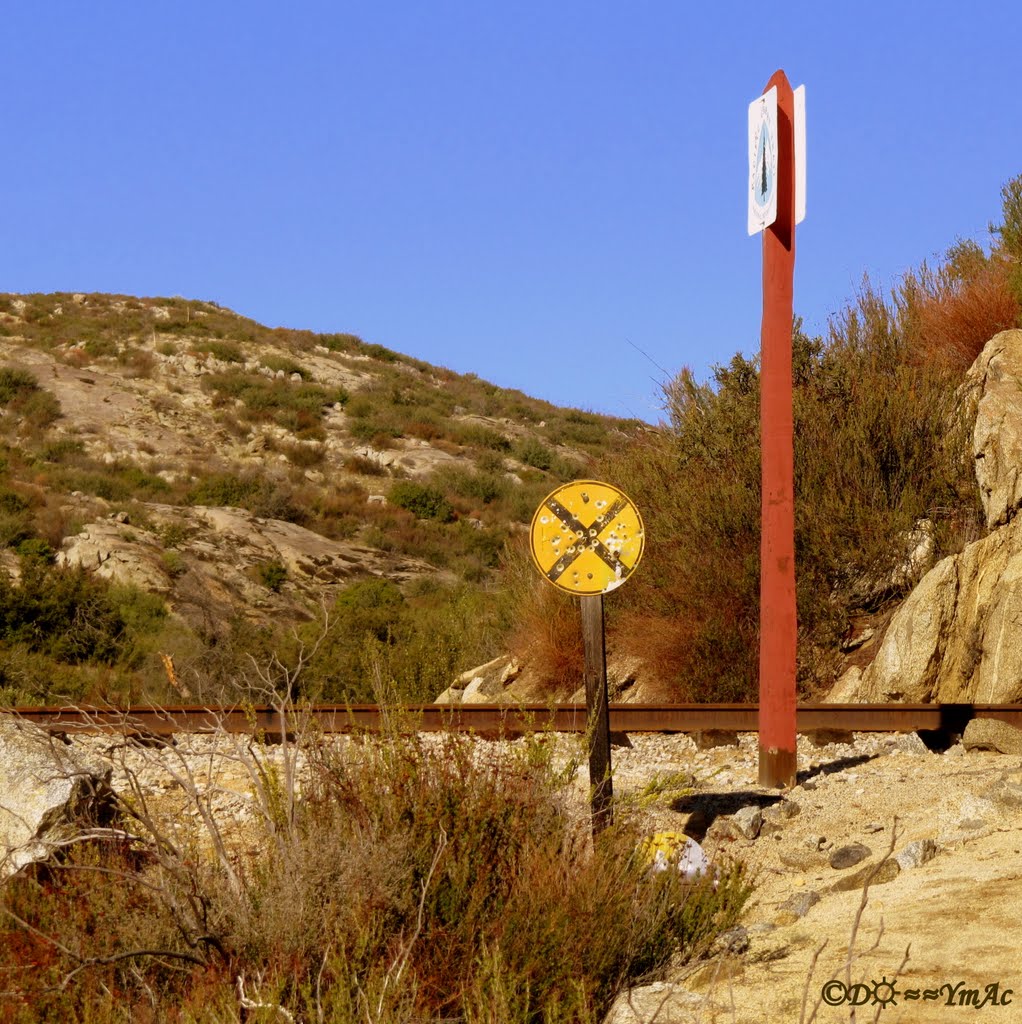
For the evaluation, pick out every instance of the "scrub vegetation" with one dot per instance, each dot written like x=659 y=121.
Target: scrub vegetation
x=882 y=458
x=413 y=880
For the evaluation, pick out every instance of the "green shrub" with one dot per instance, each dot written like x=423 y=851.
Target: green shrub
x=173 y=564
x=174 y=534
x=116 y=482
x=60 y=450
x=342 y=342
x=32 y=406
x=222 y=489
x=534 y=453
x=16 y=522
x=478 y=486
x=36 y=548
x=16 y=383
x=876 y=448
x=272 y=575
x=304 y=455
x=225 y=351
x=64 y=613
x=477 y=436
x=422 y=500
x=293 y=406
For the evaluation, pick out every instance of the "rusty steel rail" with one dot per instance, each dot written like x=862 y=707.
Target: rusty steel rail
x=507 y=720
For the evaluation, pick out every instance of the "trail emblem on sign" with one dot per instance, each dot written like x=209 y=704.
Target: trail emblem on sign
x=586 y=537
x=763 y=161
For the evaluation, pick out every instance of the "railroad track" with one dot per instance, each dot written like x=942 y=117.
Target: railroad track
x=504 y=720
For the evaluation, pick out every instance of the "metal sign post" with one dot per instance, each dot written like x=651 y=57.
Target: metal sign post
x=586 y=538
x=774 y=207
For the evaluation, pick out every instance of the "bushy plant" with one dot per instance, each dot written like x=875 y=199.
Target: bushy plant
x=33 y=407
x=878 y=447
x=277 y=361
x=533 y=453
x=64 y=613
x=409 y=880
x=422 y=500
x=272 y=575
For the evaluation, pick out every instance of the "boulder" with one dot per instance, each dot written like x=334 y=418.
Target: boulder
x=887 y=871
x=991 y=734
x=661 y=1001
x=1007 y=791
x=848 y=856
x=997 y=435
x=748 y=821
x=954 y=638
x=707 y=739
x=484 y=684
x=916 y=854
x=48 y=791
x=797 y=906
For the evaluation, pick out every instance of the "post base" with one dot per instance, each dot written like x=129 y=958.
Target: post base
x=777 y=768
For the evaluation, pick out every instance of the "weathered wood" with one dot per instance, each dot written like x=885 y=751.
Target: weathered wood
x=598 y=711
x=778 y=625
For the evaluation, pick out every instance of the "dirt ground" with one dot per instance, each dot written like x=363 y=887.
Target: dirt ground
x=956 y=915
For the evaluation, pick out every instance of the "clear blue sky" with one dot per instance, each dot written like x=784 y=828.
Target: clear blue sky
x=523 y=190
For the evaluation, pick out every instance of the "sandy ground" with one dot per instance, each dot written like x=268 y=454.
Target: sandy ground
x=957 y=915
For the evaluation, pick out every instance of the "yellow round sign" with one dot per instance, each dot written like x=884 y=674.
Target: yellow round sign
x=586 y=537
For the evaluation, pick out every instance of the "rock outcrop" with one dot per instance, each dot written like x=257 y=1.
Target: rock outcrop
x=997 y=438
x=48 y=791
x=219 y=556
x=955 y=639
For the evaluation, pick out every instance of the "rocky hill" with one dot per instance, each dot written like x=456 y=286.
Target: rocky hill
x=956 y=637
x=231 y=480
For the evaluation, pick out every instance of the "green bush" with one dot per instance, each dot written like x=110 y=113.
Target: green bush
x=60 y=450
x=422 y=500
x=32 y=406
x=478 y=486
x=116 y=482
x=64 y=613
x=173 y=564
x=225 y=351
x=218 y=489
x=16 y=383
x=275 y=361
x=266 y=498
x=342 y=342
x=272 y=575
x=534 y=453
x=295 y=407
x=477 y=436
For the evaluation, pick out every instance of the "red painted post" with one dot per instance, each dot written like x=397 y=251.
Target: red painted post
x=778 y=625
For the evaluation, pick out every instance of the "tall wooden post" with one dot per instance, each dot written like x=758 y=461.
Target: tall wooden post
x=598 y=711
x=778 y=625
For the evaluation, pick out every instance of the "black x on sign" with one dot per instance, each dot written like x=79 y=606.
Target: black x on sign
x=586 y=537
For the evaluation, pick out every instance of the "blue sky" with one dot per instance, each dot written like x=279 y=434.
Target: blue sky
x=531 y=191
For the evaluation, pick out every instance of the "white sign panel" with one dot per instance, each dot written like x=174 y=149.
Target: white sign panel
x=800 y=154
x=763 y=161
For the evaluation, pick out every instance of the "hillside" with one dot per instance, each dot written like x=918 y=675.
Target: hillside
x=233 y=491
x=193 y=505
